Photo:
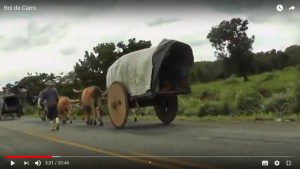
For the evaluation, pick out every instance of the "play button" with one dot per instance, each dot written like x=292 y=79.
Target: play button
x=12 y=163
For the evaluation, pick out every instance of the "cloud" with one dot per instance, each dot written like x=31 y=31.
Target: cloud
x=162 y=21
x=53 y=38
x=68 y=51
x=197 y=42
x=192 y=39
x=34 y=35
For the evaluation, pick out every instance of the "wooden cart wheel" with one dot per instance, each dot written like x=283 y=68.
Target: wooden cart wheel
x=117 y=104
x=166 y=108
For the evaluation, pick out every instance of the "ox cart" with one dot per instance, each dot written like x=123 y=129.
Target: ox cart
x=10 y=106
x=149 y=77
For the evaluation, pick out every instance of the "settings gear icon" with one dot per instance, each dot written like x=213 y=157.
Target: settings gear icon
x=276 y=163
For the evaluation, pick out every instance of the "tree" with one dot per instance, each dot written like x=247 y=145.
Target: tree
x=92 y=69
x=283 y=58
x=133 y=45
x=89 y=70
x=233 y=45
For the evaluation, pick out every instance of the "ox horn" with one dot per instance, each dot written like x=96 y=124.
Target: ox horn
x=35 y=97
x=74 y=101
x=77 y=91
x=104 y=93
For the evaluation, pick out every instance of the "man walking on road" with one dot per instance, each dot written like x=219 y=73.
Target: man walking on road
x=51 y=97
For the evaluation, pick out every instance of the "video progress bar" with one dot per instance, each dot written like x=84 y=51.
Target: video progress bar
x=151 y=156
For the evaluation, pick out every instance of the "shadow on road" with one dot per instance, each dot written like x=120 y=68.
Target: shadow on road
x=36 y=122
x=156 y=127
x=151 y=126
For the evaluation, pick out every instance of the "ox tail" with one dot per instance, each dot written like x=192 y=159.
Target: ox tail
x=70 y=114
x=77 y=91
x=97 y=95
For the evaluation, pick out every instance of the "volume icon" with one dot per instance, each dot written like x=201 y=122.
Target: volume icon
x=38 y=163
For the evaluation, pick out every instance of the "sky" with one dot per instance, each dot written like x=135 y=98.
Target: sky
x=54 y=36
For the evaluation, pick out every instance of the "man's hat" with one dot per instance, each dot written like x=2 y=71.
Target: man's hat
x=49 y=83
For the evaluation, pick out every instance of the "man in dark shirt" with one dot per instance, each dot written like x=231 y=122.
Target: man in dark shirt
x=51 y=97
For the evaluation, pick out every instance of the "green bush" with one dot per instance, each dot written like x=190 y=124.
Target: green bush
x=231 y=81
x=288 y=69
x=280 y=90
x=182 y=105
x=250 y=102
x=191 y=111
x=266 y=93
x=29 y=110
x=229 y=109
x=270 y=76
x=227 y=96
x=209 y=95
x=210 y=108
x=149 y=111
x=104 y=109
x=280 y=103
x=192 y=102
x=215 y=109
x=78 y=111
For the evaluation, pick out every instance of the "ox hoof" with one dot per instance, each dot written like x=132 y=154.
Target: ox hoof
x=82 y=118
x=135 y=119
x=101 y=123
x=71 y=122
x=95 y=123
x=89 y=122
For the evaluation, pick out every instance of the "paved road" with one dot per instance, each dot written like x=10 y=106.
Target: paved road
x=242 y=144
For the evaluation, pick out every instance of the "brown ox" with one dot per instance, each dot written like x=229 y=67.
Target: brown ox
x=65 y=109
x=91 y=99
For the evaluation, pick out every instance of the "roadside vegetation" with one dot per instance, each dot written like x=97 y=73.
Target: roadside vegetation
x=238 y=85
x=267 y=97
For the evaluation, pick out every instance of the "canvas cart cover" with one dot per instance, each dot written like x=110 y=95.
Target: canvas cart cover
x=139 y=70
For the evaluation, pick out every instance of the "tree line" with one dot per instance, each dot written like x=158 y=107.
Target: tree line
x=234 y=55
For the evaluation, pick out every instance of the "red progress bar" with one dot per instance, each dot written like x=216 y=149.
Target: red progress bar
x=29 y=156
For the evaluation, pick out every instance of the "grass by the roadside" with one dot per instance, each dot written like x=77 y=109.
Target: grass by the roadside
x=222 y=118
x=275 y=81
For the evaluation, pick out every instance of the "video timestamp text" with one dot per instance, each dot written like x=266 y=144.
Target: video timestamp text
x=57 y=163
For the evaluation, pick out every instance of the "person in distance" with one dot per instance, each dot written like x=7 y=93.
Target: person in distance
x=51 y=97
